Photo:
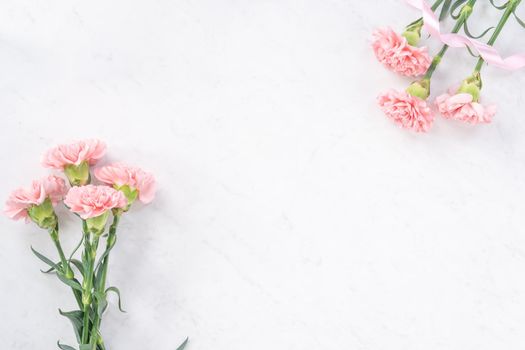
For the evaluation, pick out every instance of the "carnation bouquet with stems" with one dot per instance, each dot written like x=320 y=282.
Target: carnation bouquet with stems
x=401 y=54
x=119 y=187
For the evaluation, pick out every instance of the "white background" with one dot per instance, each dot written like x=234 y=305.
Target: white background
x=291 y=214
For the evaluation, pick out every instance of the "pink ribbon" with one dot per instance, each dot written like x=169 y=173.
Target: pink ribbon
x=488 y=53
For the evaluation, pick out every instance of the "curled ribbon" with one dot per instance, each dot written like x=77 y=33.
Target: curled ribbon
x=488 y=53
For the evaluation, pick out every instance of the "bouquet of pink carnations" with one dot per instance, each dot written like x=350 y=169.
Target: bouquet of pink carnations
x=400 y=53
x=119 y=187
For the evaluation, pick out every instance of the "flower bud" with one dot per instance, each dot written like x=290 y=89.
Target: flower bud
x=43 y=215
x=97 y=224
x=78 y=175
x=420 y=89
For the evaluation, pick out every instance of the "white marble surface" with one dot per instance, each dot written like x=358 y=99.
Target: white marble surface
x=290 y=214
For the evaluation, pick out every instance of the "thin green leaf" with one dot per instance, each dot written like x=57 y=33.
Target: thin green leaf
x=51 y=269
x=444 y=9
x=65 y=347
x=518 y=19
x=454 y=7
x=102 y=302
x=78 y=265
x=116 y=291
x=76 y=318
x=72 y=283
x=45 y=259
x=76 y=248
x=470 y=35
x=85 y=347
x=106 y=253
x=183 y=345
x=471 y=52
x=501 y=7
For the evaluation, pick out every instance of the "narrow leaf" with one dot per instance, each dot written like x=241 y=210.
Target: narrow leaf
x=45 y=259
x=76 y=318
x=76 y=248
x=470 y=35
x=72 y=283
x=51 y=269
x=501 y=7
x=116 y=291
x=454 y=7
x=444 y=10
x=183 y=345
x=65 y=347
x=518 y=19
x=78 y=265
x=102 y=303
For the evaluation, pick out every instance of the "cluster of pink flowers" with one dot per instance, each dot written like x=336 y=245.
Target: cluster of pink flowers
x=87 y=200
x=410 y=109
x=413 y=113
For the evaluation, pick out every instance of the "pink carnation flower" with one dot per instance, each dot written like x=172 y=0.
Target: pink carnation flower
x=408 y=111
x=90 y=201
x=21 y=199
x=89 y=151
x=119 y=174
x=394 y=52
x=461 y=107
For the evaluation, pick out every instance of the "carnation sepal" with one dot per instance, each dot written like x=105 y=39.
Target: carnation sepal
x=43 y=215
x=419 y=89
x=78 y=175
x=97 y=224
x=117 y=292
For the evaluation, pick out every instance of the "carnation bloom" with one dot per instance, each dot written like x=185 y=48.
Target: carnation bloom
x=22 y=199
x=461 y=106
x=75 y=153
x=408 y=111
x=120 y=175
x=394 y=52
x=91 y=201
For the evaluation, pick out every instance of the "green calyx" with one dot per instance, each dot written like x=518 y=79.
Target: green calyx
x=130 y=193
x=420 y=89
x=43 y=215
x=78 y=175
x=472 y=85
x=97 y=224
x=413 y=33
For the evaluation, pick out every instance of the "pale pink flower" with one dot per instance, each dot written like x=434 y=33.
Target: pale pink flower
x=409 y=111
x=119 y=174
x=90 y=201
x=460 y=106
x=394 y=52
x=75 y=153
x=22 y=199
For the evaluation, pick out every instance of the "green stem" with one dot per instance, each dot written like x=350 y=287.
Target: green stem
x=466 y=10
x=67 y=271
x=104 y=272
x=511 y=6
x=90 y=252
